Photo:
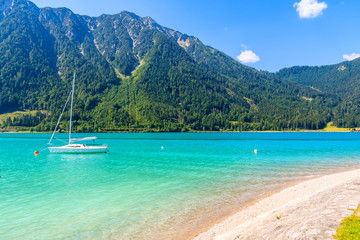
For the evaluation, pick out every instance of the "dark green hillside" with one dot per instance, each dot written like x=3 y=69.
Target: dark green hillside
x=280 y=104
x=39 y=55
x=341 y=81
x=27 y=63
x=171 y=91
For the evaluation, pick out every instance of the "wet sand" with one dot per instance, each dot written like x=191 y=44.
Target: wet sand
x=309 y=210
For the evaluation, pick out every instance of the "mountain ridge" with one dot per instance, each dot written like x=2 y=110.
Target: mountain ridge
x=338 y=80
x=134 y=74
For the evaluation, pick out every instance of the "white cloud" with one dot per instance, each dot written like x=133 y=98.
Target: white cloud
x=243 y=46
x=351 y=56
x=310 y=8
x=248 y=56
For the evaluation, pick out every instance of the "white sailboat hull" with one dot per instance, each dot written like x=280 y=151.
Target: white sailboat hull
x=79 y=148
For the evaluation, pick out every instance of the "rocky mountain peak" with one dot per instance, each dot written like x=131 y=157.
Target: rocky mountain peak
x=150 y=23
x=5 y=5
x=148 y=20
x=62 y=21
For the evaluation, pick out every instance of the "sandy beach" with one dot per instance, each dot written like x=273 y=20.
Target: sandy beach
x=308 y=210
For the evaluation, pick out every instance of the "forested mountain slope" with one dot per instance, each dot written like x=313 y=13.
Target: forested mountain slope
x=341 y=81
x=133 y=74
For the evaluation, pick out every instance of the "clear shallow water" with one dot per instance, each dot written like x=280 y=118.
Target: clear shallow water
x=141 y=191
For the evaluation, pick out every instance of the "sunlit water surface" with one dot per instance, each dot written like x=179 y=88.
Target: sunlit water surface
x=154 y=185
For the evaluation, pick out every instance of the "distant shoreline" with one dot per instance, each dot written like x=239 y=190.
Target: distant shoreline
x=1 y=131
x=329 y=128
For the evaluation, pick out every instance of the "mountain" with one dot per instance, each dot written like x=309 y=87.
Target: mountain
x=341 y=81
x=135 y=75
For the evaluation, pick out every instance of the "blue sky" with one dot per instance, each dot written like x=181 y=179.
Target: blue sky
x=264 y=34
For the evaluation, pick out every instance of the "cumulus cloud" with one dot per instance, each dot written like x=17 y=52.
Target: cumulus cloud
x=310 y=8
x=248 y=56
x=351 y=56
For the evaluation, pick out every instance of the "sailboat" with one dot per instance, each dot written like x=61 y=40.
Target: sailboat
x=72 y=146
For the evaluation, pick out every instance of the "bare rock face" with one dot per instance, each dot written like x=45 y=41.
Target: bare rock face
x=121 y=39
x=5 y=6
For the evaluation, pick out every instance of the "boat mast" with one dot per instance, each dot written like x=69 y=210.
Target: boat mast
x=72 y=99
x=57 y=124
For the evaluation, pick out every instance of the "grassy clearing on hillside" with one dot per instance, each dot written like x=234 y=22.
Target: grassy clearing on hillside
x=331 y=128
x=350 y=227
x=16 y=114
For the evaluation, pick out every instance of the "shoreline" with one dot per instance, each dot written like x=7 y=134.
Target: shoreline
x=266 y=131
x=296 y=204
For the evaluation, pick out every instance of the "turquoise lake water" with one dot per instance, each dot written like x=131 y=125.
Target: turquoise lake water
x=154 y=185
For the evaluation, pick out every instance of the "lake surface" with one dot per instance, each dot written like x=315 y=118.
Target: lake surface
x=154 y=185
